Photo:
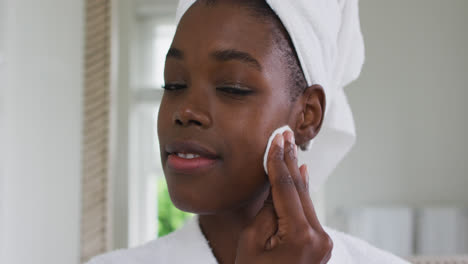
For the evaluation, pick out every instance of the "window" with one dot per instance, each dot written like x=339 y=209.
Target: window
x=150 y=211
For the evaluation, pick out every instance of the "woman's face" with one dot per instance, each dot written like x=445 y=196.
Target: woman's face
x=227 y=92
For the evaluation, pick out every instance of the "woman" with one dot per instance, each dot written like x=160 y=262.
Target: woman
x=236 y=71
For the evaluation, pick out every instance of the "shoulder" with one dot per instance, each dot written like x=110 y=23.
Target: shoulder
x=349 y=249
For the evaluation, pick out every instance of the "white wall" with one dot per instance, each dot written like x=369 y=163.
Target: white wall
x=2 y=85
x=410 y=108
x=41 y=120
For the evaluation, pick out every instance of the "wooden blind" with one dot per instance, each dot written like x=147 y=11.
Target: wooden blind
x=94 y=222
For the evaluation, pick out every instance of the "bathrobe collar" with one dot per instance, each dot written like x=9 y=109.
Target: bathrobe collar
x=194 y=245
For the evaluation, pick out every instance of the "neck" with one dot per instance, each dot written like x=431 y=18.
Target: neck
x=222 y=230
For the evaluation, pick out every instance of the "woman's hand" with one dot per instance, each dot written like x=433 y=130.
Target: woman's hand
x=286 y=230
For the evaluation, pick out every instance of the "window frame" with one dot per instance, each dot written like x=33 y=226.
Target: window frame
x=133 y=212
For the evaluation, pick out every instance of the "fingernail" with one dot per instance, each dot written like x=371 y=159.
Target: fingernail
x=280 y=140
x=290 y=137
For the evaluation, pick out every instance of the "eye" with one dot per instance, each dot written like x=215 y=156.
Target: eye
x=173 y=86
x=234 y=91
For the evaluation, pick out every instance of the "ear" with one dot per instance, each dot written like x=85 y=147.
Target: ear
x=310 y=115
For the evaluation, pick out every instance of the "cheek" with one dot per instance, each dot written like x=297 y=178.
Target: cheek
x=164 y=119
x=248 y=130
x=246 y=139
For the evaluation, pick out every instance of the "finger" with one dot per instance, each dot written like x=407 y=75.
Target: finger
x=307 y=204
x=290 y=158
x=300 y=178
x=285 y=196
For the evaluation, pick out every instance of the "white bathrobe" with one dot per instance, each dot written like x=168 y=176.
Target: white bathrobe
x=188 y=245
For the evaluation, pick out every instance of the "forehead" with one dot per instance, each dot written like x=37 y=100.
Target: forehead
x=206 y=28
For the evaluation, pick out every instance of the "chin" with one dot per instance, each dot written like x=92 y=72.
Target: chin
x=206 y=203
x=193 y=202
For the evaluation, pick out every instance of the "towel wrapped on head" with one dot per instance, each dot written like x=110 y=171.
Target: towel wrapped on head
x=327 y=37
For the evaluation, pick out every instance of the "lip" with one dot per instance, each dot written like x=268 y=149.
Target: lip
x=207 y=158
x=190 y=147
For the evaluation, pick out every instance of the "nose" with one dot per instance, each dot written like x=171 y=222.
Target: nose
x=192 y=112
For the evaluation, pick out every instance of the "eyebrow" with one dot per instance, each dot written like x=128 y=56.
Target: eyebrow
x=222 y=55
x=232 y=54
x=175 y=53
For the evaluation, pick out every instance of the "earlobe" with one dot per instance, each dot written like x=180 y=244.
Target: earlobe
x=310 y=117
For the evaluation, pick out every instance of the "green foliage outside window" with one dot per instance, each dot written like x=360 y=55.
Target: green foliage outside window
x=169 y=217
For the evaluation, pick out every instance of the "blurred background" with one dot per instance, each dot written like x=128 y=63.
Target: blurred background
x=80 y=86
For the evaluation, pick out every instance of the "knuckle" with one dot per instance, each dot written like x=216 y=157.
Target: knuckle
x=290 y=152
x=326 y=243
x=320 y=243
x=304 y=239
x=285 y=179
x=306 y=186
x=308 y=237
x=302 y=186
x=275 y=157
x=277 y=154
x=320 y=240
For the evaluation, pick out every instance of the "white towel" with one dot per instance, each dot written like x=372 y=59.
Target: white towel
x=327 y=37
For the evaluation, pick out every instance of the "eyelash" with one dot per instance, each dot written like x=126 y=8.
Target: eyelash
x=173 y=87
x=226 y=89
x=234 y=91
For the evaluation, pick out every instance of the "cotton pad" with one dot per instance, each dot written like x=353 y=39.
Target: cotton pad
x=270 y=140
